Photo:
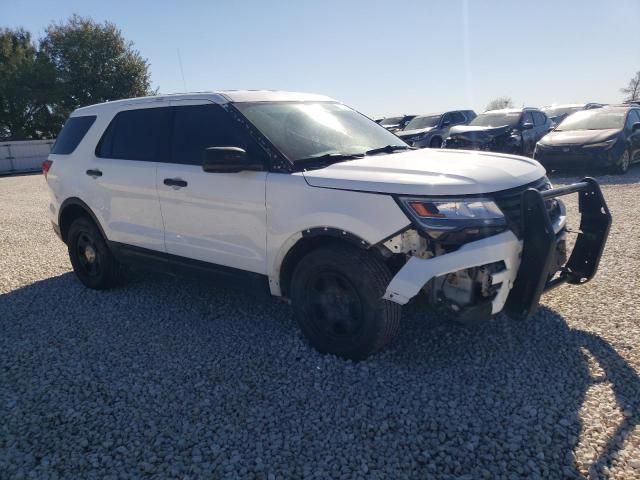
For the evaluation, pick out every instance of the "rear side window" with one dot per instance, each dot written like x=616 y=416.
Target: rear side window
x=72 y=134
x=141 y=134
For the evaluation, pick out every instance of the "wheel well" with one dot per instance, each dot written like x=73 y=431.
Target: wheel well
x=309 y=243
x=303 y=247
x=71 y=212
x=436 y=137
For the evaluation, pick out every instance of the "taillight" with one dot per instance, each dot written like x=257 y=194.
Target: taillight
x=46 y=165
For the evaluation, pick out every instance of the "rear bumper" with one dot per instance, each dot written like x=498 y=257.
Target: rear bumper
x=532 y=264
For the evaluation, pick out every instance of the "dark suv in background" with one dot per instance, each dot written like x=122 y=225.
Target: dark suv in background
x=510 y=130
x=394 y=124
x=430 y=130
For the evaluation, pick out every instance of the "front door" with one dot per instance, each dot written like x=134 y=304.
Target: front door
x=218 y=218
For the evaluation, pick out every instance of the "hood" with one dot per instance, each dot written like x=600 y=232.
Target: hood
x=429 y=172
x=578 y=137
x=417 y=131
x=474 y=133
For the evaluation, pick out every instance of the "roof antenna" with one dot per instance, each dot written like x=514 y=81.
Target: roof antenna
x=184 y=84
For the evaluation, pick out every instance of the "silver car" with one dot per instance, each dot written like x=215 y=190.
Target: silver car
x=429 y=130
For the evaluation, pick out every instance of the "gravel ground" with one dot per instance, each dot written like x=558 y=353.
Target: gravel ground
x=176 y=378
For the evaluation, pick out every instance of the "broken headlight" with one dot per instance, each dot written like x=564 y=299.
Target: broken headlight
x=456 y=220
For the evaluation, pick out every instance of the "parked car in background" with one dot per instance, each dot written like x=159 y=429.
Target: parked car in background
x=394 y=124
x=606 y=137
x=507 y=131
x=557 y=113
x=430 y=130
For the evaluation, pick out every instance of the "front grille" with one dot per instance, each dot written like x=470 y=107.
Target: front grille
x=509 y=203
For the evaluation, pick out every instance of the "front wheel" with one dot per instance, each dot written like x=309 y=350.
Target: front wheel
x=336 y=293
x=623 y=164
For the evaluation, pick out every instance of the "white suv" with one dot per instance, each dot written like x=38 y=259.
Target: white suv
x=304 y=196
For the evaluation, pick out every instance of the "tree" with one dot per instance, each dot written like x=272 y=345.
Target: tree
x=500 y=102
x=93 y=63
x=26 y=88
x=632 y=90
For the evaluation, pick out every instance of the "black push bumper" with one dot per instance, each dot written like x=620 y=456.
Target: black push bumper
x=538 y=273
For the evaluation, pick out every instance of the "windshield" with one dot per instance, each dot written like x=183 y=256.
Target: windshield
x=557 y=111
x=599 y=119
x=423 y=122
x=391 y=121
x=313 y=129
x=496 y=119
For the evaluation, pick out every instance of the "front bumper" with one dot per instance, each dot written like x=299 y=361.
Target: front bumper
x=530 y=263
x=577 y=157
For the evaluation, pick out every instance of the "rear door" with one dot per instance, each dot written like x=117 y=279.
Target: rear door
x=218 y=218
x=124 y=175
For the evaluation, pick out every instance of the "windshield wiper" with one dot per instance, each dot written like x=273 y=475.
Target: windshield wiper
x=328 y=158
x=388 y=149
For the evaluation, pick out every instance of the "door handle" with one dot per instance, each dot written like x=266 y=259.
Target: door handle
x=94 y=173
x=175 y=182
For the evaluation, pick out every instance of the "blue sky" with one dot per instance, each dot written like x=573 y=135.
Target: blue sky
x=379 y=57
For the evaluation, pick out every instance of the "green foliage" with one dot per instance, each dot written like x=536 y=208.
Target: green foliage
x=77 y=63
x=26 y=88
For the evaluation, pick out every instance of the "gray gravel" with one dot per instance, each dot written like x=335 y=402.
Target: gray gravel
x=176 y=378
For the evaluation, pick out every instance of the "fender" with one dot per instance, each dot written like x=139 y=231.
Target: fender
x=294 y=240
x=75 y=201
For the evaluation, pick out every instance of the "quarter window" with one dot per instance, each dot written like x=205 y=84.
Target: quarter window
x=72 y=134
x=141 y=134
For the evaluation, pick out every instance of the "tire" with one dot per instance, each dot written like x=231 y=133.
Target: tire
x=92 y=261
x=435 y=143
x=623 y=164
x=336 y=292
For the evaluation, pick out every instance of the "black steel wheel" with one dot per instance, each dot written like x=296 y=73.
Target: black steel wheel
x=92 y=261
x=336 y=293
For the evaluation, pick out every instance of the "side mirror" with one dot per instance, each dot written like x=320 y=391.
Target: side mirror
x=635 y=127
x=227 y=160
x=527 y=126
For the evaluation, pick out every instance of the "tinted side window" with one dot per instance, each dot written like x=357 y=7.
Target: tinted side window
x=72 y=134
x=632 y=118
x=526 y=118
x=539 y=118
x=457 y=117
x=141 y=134
x=447 y=118
x=197 y=127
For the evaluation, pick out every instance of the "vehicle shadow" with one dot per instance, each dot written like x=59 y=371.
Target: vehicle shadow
x=505 y=393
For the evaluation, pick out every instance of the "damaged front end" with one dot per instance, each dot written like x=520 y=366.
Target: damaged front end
x=483 y=263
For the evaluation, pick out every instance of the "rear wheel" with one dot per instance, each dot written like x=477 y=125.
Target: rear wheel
x=436 y=143
x=623 y=164
x=336 y=293
x=92 y=261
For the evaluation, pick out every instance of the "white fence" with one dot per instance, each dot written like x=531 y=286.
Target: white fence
x=26 y=156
